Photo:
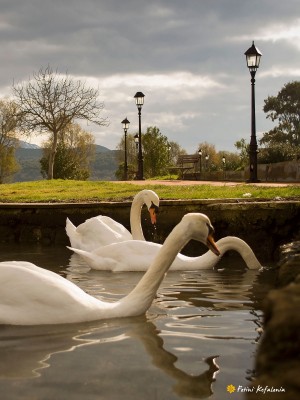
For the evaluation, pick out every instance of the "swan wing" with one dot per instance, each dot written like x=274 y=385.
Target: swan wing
x=70 y=229
x=115 y=226
x=98 y=231
x=131 y=255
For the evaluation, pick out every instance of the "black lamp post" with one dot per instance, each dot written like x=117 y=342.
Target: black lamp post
x=200 y=160
x=139 y=101
x=125 y=124
x=253 y=56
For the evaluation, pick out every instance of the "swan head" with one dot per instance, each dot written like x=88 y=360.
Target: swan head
x=200 y=228
x=153 y=211
x=151 y=200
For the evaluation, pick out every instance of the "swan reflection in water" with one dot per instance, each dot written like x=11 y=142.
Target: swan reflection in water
x=26 y=350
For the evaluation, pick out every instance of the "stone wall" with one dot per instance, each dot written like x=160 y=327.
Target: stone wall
x=287 y=171
x=264 y=225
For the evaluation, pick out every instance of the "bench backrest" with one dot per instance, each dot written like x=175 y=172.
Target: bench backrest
x=188 y=159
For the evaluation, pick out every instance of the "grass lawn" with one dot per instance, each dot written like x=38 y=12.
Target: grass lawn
x=92 y=191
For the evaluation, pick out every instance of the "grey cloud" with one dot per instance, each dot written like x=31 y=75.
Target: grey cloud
x=207 y=38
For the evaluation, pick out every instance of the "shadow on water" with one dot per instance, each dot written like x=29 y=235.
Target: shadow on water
x=199 y=336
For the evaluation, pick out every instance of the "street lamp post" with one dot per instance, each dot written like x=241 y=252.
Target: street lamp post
x=253 y=56
x=125 y=124
x=139 y=101
x=200 y=161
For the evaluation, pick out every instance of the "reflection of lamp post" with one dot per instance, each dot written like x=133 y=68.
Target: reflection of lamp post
x=253 y=56
x=224 y=166
x=139 y=101
x=125 y=124
x=200 y=160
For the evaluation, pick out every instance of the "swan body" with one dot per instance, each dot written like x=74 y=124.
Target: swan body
x=31 y=295
x=102 y=230
x=138 y=255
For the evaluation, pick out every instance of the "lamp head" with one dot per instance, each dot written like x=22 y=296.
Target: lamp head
x=139 y=99
x=125 y=124
x=253 y=56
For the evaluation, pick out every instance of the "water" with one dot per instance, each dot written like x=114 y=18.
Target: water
x=199 y=336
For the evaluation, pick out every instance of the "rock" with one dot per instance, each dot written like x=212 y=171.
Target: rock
x=277 y=363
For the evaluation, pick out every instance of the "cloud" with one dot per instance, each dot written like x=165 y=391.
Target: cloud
x=187 y=57
x=288 y=32
x=277 y=71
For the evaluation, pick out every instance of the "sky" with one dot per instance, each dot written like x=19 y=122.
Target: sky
x=186 y=56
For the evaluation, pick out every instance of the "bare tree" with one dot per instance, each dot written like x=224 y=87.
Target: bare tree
x=50 y=101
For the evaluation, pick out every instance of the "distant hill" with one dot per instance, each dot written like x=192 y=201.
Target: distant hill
x=26 y=145
x=28 y=157
x=102 y=149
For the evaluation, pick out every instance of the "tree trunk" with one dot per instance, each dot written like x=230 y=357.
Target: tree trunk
x=52 y=156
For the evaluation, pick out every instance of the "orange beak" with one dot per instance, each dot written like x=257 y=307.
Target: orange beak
x=212 y=245
x=153 y=210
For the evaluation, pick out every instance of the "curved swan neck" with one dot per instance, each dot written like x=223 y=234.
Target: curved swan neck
x=142 y=295
x=135 y=217
x=245 y=251
x=209 y=260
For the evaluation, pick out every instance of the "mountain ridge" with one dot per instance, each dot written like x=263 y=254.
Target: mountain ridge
x=26 y=145
x=103 y=167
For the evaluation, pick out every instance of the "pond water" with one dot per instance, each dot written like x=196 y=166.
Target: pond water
x=199 y=336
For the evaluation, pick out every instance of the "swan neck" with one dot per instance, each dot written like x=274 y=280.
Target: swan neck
x=143 y=294
x=241 y=247
x=135 y=218
x=209 y=260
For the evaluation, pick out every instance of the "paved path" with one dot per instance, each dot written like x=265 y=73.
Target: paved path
x=212 y=183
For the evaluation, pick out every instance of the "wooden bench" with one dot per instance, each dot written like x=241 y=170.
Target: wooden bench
x=187 y=163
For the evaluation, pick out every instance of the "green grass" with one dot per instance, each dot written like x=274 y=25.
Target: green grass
x=81 y=191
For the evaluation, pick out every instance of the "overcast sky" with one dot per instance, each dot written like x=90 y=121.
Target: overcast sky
x=186 y=56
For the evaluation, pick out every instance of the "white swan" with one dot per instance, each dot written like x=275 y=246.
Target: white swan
x=33 y=296
x=136 y=255
x=102 y=230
